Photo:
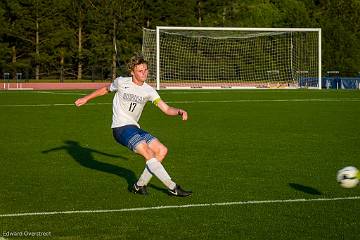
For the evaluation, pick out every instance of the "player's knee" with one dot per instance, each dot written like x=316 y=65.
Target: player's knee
x=149 y=153
x=145 y=151
x=162 y=152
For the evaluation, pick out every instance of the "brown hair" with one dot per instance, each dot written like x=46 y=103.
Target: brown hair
x=137 y=59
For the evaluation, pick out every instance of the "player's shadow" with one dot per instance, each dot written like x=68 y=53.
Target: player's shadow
x=84 y=156
x=305 y=189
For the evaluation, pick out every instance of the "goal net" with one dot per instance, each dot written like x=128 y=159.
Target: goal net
x=200 y=57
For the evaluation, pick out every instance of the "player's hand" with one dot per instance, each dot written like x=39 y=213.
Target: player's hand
x=80 y=102
x=183 y=114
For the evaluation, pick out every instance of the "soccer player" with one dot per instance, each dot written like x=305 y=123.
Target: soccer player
x=131 y=95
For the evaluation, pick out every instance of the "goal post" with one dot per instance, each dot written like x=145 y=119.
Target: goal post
x=217 y=57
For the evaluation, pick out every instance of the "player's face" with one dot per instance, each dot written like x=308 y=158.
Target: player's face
x=140 y=73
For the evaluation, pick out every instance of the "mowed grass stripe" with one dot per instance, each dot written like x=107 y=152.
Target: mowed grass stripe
x=200 y=101
x=182 y=206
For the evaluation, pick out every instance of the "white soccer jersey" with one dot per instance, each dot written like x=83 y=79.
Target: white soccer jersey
x=129 y=101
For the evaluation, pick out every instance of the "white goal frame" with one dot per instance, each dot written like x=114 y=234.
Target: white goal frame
x=161 y=28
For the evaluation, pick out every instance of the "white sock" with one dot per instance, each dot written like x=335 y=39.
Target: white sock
x=157 y=169
x=144 y=178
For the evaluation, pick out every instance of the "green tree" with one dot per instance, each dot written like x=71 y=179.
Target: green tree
x=30 y=27
x=169 y=13
x=4 y=51
x=16 y=46
x=293 y=13
x=114 y=34
x=340 y=22
x=77 y=38
x=61 y=43
x=244 y=13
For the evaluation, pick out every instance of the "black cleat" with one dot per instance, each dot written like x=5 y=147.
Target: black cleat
x=179 y=192
x=142 y=190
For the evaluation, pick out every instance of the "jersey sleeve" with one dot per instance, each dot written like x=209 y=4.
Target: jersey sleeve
x=154 y=97
x=114 y=86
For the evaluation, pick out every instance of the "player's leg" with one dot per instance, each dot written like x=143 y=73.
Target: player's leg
x=160 y=152
x=138 y=140
x=129 y=136
x=159 y=149
x=155 y=167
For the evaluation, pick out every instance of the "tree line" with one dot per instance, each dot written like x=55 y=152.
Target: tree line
x=92 y=39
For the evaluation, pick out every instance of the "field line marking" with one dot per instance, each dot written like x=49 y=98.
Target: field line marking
x=49 y=104
x=273 y=100
x=181 y=206
x=62 y=93
x=199 y=101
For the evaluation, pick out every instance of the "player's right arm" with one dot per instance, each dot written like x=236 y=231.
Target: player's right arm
x=99 y=92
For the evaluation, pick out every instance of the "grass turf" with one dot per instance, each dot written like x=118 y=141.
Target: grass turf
x=237 y=146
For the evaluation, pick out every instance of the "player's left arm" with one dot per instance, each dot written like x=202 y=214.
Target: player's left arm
x=171 y=111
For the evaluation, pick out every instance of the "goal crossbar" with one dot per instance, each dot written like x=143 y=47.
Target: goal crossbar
x=240 y=29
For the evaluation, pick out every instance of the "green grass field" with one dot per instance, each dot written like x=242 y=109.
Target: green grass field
x=262 y=165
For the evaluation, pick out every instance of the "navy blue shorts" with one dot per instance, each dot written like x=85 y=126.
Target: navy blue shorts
x=130 y=136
